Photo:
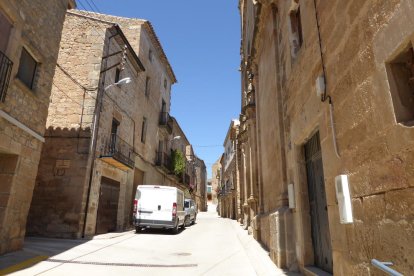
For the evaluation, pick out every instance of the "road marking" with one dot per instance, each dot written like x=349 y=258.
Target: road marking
x=118 y=264
x=23 y=265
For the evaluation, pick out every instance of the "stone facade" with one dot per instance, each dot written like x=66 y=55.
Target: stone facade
x=360 y=125
x=82 y=161
x=29 y=49
x=229 y=199
x=180 y=142
x=215 y=181
x=200 y=183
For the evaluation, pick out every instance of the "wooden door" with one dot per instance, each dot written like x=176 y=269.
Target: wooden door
x=321 y=238
x=108 y=206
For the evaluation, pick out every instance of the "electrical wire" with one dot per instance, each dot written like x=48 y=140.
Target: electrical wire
x=67 y=96
x=152 y=100
x=93 y=3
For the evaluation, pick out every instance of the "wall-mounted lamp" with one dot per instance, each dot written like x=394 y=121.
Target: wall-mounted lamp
x=120 y=82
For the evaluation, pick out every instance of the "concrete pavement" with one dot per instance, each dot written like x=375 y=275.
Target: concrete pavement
x=213 y=246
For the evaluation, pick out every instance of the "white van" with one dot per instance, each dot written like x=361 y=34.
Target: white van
x=159 y=207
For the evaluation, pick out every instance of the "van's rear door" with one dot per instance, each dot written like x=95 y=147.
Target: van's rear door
x=155 y=203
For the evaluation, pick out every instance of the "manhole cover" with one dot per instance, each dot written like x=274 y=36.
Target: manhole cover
x=182 y=254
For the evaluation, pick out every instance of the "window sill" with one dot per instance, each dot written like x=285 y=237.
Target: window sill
x=20 y=85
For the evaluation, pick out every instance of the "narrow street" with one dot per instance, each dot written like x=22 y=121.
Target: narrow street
x=213 y=246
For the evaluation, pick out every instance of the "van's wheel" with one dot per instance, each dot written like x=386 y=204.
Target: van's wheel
x=187 y=221
x=175 y=229
x=184 y=224
x=193 y=222
x=138 y=229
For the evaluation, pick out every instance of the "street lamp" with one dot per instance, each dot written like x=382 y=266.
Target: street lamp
x=120 y=82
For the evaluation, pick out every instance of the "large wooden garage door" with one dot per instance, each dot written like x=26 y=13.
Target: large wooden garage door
x=321 y=238
x=108 y=206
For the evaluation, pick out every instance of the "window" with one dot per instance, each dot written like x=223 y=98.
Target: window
x=117 y=74
x=296 y=28
x=163 y=106
x=143 y=130
x=27 y=69
x=113 y=137
x=150 y=55
x=114 y=128
x=401 y=78
x=165 y=83
x=5 y=29
x=147 y=86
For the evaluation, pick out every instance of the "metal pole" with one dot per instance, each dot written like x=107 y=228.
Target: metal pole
x=384 y=267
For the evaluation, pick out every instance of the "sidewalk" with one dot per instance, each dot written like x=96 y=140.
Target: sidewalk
x=258 y=256
x=37 y=249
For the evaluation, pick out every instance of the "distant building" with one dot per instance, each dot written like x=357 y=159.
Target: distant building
x=200 y=184
x=209 y=191
x=229 y=177
x=215 y=181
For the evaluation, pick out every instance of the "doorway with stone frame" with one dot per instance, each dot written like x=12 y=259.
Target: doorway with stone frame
x=107 y=215
x=318 y=211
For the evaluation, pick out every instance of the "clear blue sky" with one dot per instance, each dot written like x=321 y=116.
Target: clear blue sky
x=202 y=42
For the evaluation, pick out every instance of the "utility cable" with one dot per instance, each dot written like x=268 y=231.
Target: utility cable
x=325 y=95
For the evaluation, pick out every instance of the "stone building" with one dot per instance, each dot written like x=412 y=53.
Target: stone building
x=182 y=144
x=200 y=183
x=28 y=53
x=215 y=181
x=209 y=191
x=229 y=174
x=105 y=136
x=247 y=153
x=331 y=82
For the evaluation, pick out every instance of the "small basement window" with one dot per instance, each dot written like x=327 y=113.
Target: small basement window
x=27 y=68
x=401 y=79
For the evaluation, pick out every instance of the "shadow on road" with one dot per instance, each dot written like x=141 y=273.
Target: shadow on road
x=151 y=231
x=38 y=249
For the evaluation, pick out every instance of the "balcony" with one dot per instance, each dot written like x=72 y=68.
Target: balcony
x=6 y=66
x=250 y=101
x=166 y=122
x=163 y=160
x=118 y=153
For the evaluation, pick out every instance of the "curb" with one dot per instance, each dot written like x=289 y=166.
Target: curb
x=258 y=256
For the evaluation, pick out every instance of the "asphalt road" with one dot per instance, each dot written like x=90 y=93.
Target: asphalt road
x=213 y=246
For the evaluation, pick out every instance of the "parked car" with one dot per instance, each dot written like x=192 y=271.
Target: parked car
x=159 y=207
x=190 y=209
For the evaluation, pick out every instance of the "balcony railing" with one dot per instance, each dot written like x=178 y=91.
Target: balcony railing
x=6 y=66
x=163 y=160
x=119 y=153
x=250 y=100
x=166 y=121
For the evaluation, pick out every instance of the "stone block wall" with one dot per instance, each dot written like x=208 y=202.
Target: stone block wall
x=56 y=209
x=358 y=40
x=37 y=26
